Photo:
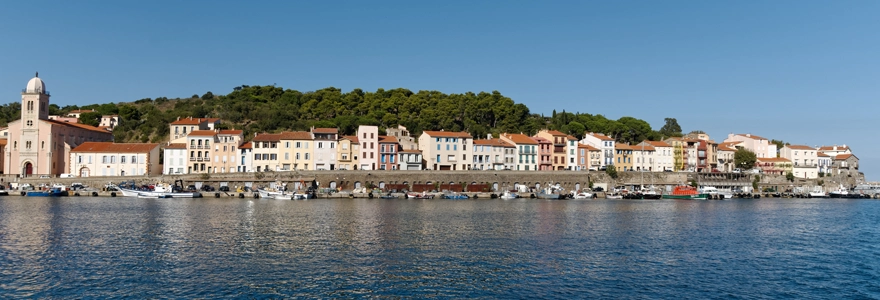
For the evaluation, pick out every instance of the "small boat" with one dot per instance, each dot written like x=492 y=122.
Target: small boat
x=54 y=192
x=840 y=192
x=454 y=196
x=388 y=196
x=149 y=196
x=551 y=192
x=583 y=195
x=507 y=195
x=269 y=194
x=422 y=195
x=686 y=192
x=818 y=192
x=613 y=196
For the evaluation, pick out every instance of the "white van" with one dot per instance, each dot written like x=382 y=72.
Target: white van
x=66 y=176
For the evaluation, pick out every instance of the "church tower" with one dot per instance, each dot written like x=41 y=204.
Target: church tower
x=34 y=102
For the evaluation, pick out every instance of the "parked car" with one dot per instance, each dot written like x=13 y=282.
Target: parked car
x=224 y=188
x=45 y=176
x=66 y=176
x=598 y=189
x=207 y=188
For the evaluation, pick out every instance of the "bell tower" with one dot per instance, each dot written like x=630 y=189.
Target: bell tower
x=34 y=102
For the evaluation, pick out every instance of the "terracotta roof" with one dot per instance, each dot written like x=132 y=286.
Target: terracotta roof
x=3 y=142
x=751 y=136
x=176 y=146
x=79 y=111
x=110 y=147
x=411 y=151
x=520 y=139
x=352 y=138
x=831 y=148
x=556 y=133
x=493 y=142
x=800 y=147
x=658 y=143
x=325 y=130
x=460 y=134
x=600 y=136
x=202 y=133
x=387 y=139
x=295 y=135
x=725 y=148
x=622 y=146
x=247 y=145
x=230 y=131
x=267 y=137
x=589 y=148
x=541 y=140
x=646 y=148
x=820 y=154
x=78 y=125
x=773 y=159
x=571 y=138
x=194 y=121
x=842 y=156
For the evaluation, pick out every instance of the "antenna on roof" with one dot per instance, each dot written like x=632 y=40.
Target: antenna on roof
x=37 y=74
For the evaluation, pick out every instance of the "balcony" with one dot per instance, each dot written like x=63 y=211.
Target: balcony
x=199 y=159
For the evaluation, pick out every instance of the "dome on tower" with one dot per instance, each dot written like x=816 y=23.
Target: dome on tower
x=36 y=85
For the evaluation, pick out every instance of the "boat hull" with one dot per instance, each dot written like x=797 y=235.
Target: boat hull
x=135 y=193
x=687 y=197
x=46 y=193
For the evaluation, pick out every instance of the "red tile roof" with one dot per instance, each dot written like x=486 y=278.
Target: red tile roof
x=460 y=134
x=541 y=140
x=831 y=148
x=247 y=145
x=556 y=133
x=325 y=130
x=589 y=148
x=646 y=148
x=352 y=138
x=658 y=143
x=230 y=131
x=202 y=133
x=176 y=146
x=600 y=136
x=623 y=147
x=78 y=125
x=194 y=121
x=751 y=136
x=411 y=151
x=800 y=147
x=295 y=135
x=387 y=139
x=110 y=147
x=773 y=159
x=520 y=139
x=571 y=138
x=267 y=137
x=820 y=154
x=842 y=156
x=493 y=142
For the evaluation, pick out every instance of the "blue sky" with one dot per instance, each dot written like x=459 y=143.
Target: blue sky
x=801 y=71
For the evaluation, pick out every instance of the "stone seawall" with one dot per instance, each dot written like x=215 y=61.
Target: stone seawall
x=347 y=180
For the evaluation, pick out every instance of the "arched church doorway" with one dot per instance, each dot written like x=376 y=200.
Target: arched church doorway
x=28 y=169
x=84 y=172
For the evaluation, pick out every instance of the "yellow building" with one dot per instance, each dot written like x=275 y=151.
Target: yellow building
x=623 y=157
x=347 y=152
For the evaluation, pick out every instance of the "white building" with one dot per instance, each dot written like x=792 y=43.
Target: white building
x=246 y=158
x=602 y=142
x=824 y=163
x=662 y=156
x=726 y=152
x=410 y=160
x=644 y=157
x=759 y=145
x=804 y=160
x=835 y=150
x=112 y=159
x=368 y=136
x=446 y=150
x=325 y=142
x=492 y=154
x=175 y=160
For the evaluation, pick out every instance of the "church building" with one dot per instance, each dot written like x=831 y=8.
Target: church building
x=40 y=146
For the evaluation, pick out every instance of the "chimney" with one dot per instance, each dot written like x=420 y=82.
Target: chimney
x=748 y=135
x=489 y=136
x=178 y=118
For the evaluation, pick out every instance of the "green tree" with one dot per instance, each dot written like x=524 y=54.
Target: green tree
x=90 y=118
x=671 y=128
x=789 y=176
x=744 y=159
x=611 y=171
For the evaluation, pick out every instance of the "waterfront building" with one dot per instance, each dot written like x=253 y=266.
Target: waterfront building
x=588 y=157
x=545 y=154
x=445 y=150
x=210 y=151
x=759 y=145
x=369 y=139
x=245 y=157
x=180 y=128
x=623 y=157
x=726 y=153
x=561 y=151
x=644 y=157
x=406 y=141
x=325 y=147
x=198 y=145
x=508 y=154
x=774 y=165
x=348 y=151
x=804 y=160
x=225 y=150
x=662 y=155
x=388 y=152
x=684 y=153
x=845 y=164
x=114 y=159
x=295 y=151
x=109 y=121
x=265 y=152
x=602 y=142
x=491 y=154
x=175 y=160
x=824 y=162
x=410 y=159
x=571 y=147
x=835 y=150
x=526 y=151
x=37 y=145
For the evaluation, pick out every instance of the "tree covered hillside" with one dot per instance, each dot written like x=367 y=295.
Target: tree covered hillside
x=272 y=109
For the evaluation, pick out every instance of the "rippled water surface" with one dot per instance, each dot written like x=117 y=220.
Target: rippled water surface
x=345 y=248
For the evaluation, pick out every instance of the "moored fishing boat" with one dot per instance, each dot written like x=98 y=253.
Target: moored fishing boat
x=53 y=192
x=685 y=192
x=507 y=195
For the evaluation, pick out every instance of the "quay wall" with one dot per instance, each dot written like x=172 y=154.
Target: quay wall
x=348 y=180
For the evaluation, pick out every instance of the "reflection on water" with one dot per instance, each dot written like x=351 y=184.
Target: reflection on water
x=213 y=248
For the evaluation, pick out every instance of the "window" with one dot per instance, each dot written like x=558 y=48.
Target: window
x=104 y=159
x=112 y=159
x=320 y=145
x=122 y=159
x=287 y=156
x=134 y=159
x=438 y=146
x=438 y=158
x=265 y=156
x=307 y=156
x=273 y=156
